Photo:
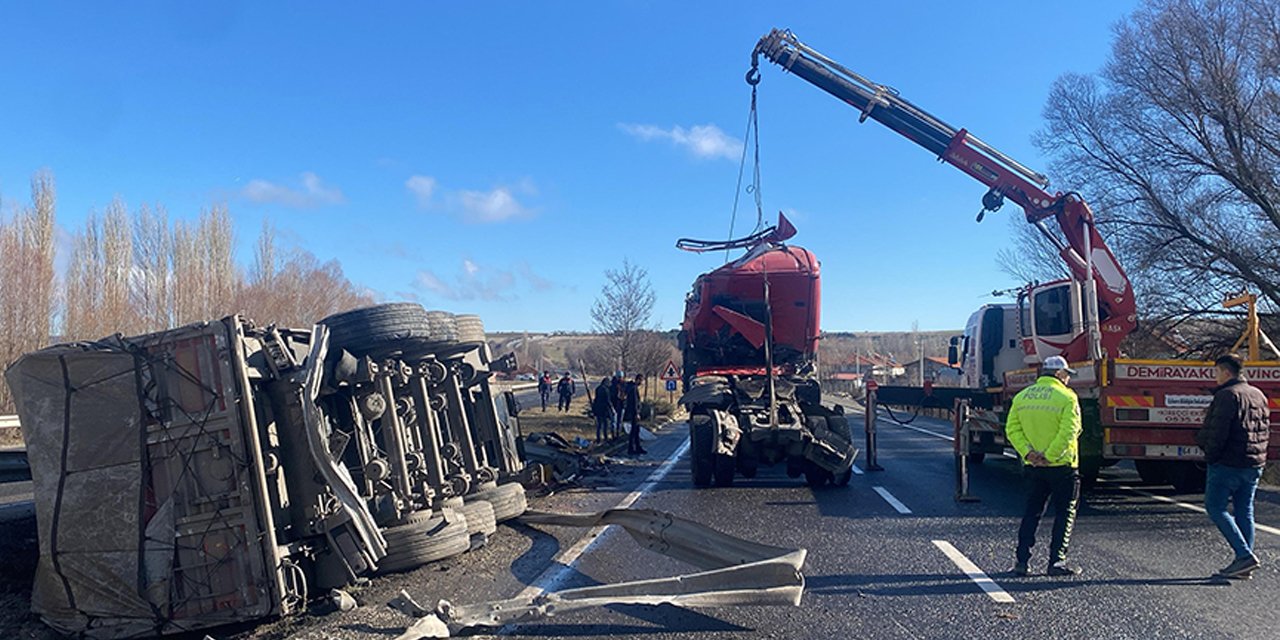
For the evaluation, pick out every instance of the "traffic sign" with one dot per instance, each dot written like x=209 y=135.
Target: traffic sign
x=671 y=385
x=671 y=373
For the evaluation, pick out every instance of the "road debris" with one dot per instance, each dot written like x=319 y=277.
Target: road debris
x=734 y=572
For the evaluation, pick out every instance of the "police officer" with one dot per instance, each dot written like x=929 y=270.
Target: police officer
x=1044 y=426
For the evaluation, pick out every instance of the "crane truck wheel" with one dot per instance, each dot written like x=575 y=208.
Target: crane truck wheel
x=1186 y=477
x=701 y=456
x=725 y=468
x=1152 y=471
x=842 y=480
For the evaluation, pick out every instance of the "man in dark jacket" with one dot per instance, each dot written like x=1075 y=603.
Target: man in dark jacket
x=544 y=389
x=631 y=413
x=1234 y=438
x=602 y=409
x=566 y=390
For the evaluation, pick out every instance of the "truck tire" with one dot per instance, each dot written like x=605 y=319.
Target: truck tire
x=817 y=477
x=379 y=330
x=424 y=537
x=444 y=326
x=481 y=521
x=1090 y=468
x=843 y=479
x=1153 y=471
x=470 y=329
x=725 y=468
x=508 y=500
x=1186 y=477
x=839 y=425
x=701 y=457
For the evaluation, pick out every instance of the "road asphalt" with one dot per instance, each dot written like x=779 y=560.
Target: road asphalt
x=892 y=555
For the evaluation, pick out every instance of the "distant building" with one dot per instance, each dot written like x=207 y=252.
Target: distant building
x=936 y=369
x=849 y=375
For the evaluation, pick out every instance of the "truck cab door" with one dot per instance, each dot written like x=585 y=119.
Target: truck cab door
x=1054 y=316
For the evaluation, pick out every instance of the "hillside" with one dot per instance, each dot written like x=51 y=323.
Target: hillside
x=559 y=351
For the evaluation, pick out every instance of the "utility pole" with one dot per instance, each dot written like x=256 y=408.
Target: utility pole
x=920 y=352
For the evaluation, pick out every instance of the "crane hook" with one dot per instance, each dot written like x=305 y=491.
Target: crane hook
x=753 y=75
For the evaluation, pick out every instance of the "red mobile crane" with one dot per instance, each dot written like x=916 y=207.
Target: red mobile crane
x=1133 y=409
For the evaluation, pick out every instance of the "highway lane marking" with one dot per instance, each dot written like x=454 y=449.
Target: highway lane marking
x=893 y=502
x=970 y=569
x=563 y=565
x=1191 y=507
x=857 y=471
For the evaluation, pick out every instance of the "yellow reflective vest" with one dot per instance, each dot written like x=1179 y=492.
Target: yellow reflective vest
x=1046 y=417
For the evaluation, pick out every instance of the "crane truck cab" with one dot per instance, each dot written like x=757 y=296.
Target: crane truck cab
x=1004 y=337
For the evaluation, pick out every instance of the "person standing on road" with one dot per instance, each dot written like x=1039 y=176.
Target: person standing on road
x=1044 y=426
x=544 y=389
x=602 y=409
x=631 y=414
x=1237 y=427
x=618 y=396
x=566 y=390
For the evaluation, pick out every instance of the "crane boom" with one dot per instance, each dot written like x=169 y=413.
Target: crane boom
x=1110 y=310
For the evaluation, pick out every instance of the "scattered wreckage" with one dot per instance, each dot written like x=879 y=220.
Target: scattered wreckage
x=733 y=572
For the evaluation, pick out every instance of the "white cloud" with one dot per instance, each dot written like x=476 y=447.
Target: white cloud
x=499 y=204
x=703 y=141
x=311 y=192
x=422 y=188
x=496 y=205
x=474 y=281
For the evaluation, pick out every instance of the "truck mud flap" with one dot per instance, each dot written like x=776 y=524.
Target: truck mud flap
x=734 y=572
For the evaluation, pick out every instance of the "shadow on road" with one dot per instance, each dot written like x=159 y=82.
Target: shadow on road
x=955 y=584
x=542 y=548
x=663 y=619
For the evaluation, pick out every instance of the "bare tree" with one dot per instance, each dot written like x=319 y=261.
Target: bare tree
x=97 y=283
x=1031 y=258
x=622 y=310
x=293 y=288
x=27 y=285
x=152 y=285
x=1177 y=144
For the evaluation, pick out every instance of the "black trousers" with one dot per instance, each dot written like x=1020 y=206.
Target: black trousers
x=633 y=439
x=1062 y=484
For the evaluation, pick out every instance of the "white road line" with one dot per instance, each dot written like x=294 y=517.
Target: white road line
x=970 y=569
x=1191 y=507
x=893 y=502
x=562 y=565
x=857 y=471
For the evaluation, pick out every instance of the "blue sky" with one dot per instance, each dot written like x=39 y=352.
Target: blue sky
x=496 y=157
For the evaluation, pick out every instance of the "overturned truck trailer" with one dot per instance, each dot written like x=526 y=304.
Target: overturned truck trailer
x=161 y=501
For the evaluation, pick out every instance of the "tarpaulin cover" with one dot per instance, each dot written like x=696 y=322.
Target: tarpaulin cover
x=86 y=452
x=143 y=490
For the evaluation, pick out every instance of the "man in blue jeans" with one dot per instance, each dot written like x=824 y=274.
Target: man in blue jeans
x=1234 y=438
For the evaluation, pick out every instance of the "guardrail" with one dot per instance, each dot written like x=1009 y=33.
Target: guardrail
x=517 y=386
x=8 y=422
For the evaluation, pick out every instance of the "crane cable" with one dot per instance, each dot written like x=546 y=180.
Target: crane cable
x=752 y=135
